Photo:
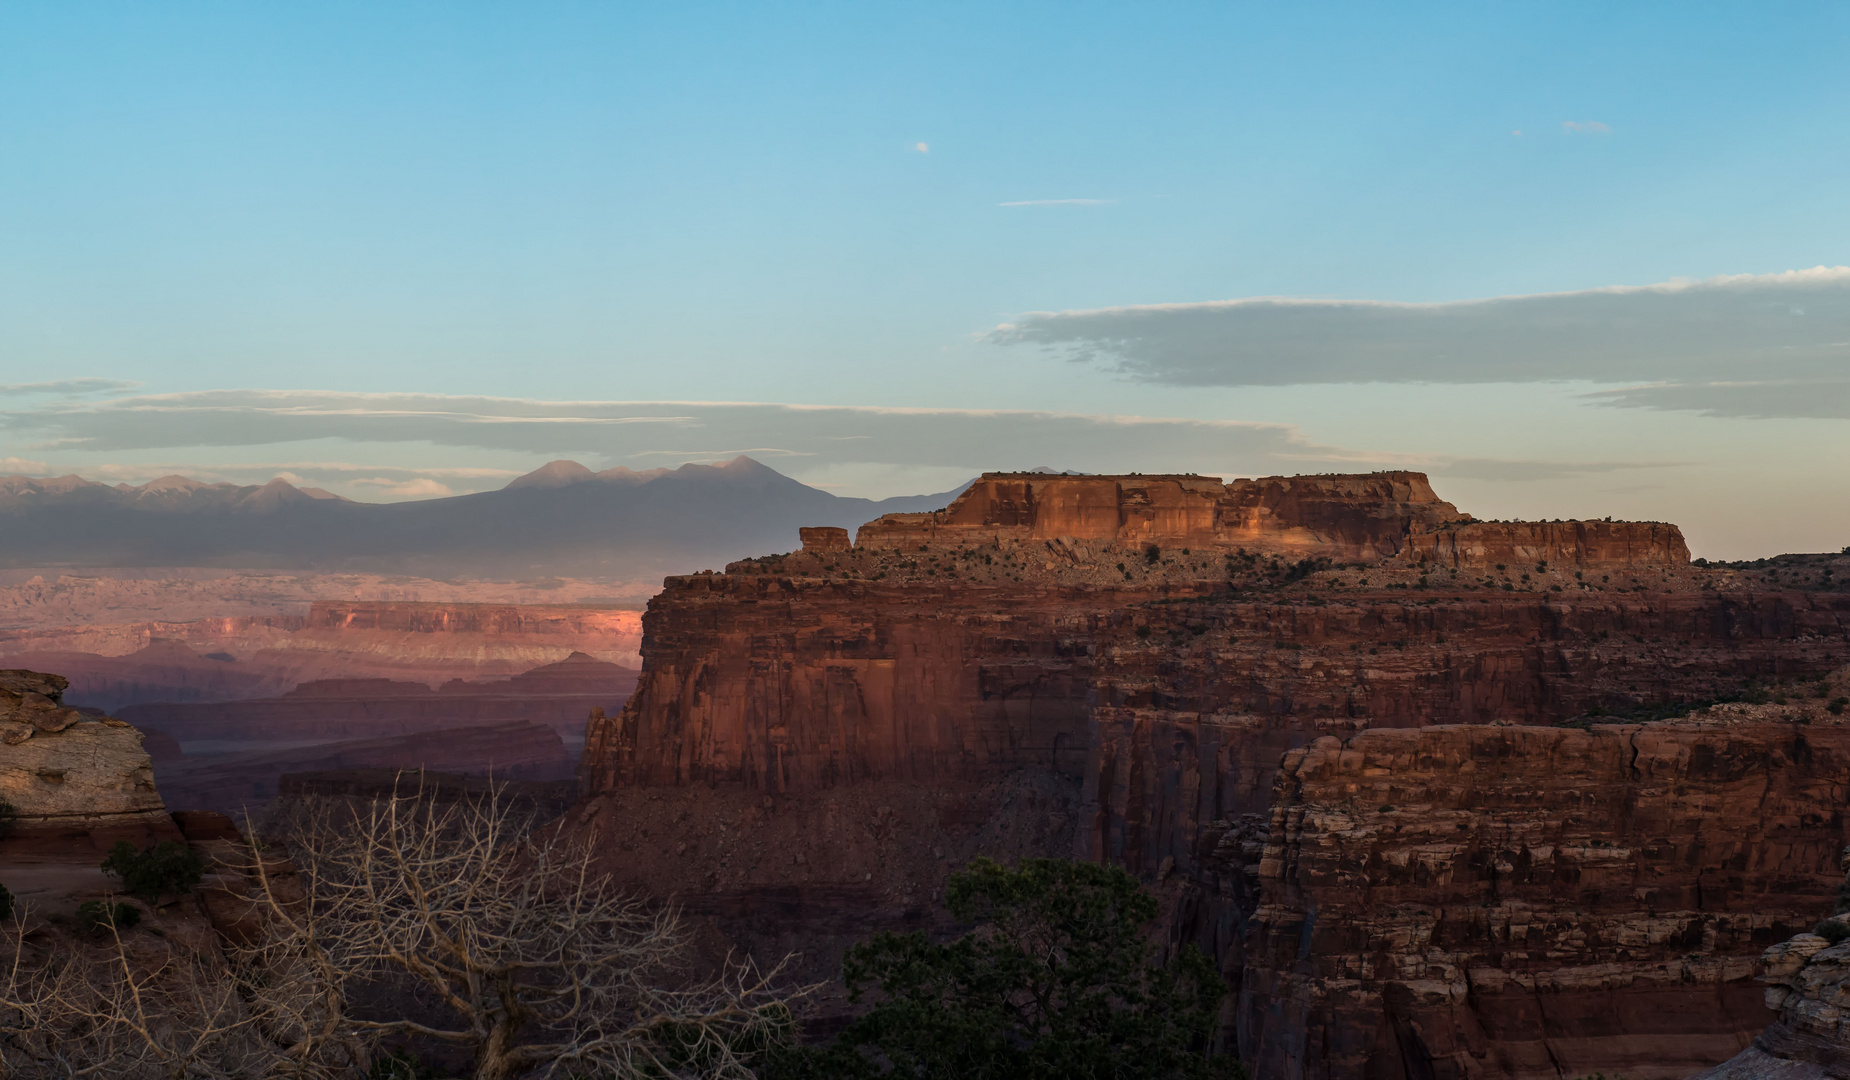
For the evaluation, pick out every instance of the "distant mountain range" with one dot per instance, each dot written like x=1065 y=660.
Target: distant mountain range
x=559 y=520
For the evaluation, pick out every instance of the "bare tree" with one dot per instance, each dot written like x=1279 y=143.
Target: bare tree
x=135 y=1009
x=407 y=917
x=529 y=960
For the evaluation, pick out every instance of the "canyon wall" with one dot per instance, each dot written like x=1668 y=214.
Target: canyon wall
x=1248 y=679
x=790 y=684
x=1517 y=902
x=1119 y=666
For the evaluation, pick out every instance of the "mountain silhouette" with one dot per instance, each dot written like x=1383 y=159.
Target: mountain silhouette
x=561 y=519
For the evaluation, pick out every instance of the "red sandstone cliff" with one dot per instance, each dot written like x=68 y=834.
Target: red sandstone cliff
x=1528 y=903
x=791 y=684
x=1171 y=640
x=1363 y=518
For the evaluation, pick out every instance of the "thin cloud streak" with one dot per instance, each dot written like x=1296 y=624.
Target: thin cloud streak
x=1792 y=326
x=70 y=387
x=1793 y=399
x=820 y=436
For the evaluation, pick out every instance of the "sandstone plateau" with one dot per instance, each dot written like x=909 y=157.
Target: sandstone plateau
x=1444 y=798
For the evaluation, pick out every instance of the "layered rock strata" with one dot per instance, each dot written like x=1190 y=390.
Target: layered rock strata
x=1808 y=986
x=1526 y=903
x=1249 y=678
x=798 y=684
x=1363 y=518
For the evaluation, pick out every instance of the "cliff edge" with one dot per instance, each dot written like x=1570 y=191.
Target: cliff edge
x=1367 y=517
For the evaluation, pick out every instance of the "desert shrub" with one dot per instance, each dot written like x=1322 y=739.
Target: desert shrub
x=166 y=867
x=1832 y=930
x=98 y=916
x=1057 y=980
x=6 y=902
x=9 y=817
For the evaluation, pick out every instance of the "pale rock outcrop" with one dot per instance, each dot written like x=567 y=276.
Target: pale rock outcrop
x=1808 y=984
x=65 y=772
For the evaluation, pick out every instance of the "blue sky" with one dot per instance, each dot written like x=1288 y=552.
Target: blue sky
x=838 y=205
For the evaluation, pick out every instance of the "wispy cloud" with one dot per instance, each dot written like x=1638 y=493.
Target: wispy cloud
x=1585 y=127
x=1517 y=471
x=14 y=466
x=1807 y=399
x=921 y=148
x=1059 y=202
x=809 y=437
x=70 y=387
x=1780 y=329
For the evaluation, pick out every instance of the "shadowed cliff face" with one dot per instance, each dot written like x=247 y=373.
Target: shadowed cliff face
x=1523 y=902
x=1174 y=692
x=786 y=684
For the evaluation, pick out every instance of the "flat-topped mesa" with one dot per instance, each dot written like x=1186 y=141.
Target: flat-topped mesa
x=1360 y=517
x=1366 y=517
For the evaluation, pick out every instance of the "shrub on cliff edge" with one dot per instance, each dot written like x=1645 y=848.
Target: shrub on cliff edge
x=1057 y=980
x=166 y=867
